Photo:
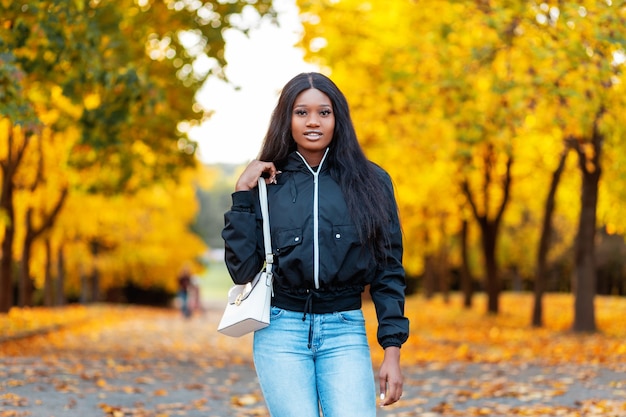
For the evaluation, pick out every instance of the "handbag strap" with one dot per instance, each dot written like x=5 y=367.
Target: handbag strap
x=267 y=240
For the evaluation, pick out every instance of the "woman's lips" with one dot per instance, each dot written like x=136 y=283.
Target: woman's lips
x=312 y=135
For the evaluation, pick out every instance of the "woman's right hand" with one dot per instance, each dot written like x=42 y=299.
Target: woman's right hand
x=250 y=176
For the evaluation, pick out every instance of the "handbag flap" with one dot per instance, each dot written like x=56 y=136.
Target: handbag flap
x=238 y=293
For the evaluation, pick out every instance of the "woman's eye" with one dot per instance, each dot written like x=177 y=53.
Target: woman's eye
x=300 y=112
x=325 y=112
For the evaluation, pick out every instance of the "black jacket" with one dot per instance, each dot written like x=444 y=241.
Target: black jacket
x=345 y=266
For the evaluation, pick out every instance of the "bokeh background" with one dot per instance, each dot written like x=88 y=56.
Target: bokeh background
x=502 y=124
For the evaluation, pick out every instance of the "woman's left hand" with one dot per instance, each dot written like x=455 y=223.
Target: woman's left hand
x=390 y=377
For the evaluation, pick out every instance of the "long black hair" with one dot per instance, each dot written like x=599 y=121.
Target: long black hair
x=363 y=188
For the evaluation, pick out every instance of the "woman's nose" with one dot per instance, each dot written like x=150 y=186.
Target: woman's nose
x=312 y=120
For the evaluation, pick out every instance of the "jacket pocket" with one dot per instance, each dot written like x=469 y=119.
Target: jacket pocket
x=345 y=237
x=347 y=261
x=287 y=239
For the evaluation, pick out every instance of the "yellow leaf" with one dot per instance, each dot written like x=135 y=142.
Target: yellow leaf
x=160 y=393
x=91 y=101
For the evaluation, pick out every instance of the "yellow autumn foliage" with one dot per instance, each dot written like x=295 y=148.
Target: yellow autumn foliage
x=445 y=91
x=141 y=237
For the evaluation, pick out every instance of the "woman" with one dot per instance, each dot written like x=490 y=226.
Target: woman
x=335 y=230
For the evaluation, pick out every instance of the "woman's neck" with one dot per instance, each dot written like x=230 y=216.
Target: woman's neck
x=313 y=163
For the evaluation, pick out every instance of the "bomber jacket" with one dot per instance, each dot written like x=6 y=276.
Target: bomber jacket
x=319 y=264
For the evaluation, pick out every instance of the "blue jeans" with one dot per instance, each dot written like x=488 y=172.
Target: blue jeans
x=334 y=375
x=184 y=303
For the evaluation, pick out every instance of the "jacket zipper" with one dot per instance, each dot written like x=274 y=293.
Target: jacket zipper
x=316 y=248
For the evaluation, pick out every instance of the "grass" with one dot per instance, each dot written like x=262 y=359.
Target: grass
x=215 y=281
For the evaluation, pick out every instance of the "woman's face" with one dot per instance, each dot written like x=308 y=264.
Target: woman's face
x=312 y=124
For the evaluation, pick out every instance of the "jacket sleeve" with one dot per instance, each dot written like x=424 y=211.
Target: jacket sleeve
x=243 y=237
x=387 y=288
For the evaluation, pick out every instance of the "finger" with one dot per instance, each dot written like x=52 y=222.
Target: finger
x=270 y=174
x=266 y=169
x=273 y=177
x=383 y=388
x=394 y=392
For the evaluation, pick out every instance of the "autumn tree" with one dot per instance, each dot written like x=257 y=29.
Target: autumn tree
x=487 y=91
x=583 y=80
x=131 y=68
x=17 y=123
x=138 y=239
x=544 y=241
x=430 y=87
x=391 y=109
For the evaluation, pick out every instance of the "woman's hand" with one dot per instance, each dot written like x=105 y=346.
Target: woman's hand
x=390 y=377
x=250 y=176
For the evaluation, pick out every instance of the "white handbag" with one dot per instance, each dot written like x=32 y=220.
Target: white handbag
x=248 y=307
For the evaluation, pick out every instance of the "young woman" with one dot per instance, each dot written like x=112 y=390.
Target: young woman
x=335 y=230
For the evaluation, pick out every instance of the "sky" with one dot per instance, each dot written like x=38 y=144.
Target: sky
x=260 y=65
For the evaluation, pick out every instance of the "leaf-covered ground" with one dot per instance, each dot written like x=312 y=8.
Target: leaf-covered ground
x=120 y=361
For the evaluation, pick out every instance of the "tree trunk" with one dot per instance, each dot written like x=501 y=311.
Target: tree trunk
x=95 y=285
x=490 y=227
x=6 y=206
x=6 y=273
x=466 y=276
x=544 y=241
x=60 y=287
x=489 y=236
x=48 y=287
x=84 y=286
x=95 y=273
x=429 y=277
x=585 y=273
x=14 y=155
x=25 y=286
x=584 y=279
x=443 y=277
x=443 y=273
x=26 y=283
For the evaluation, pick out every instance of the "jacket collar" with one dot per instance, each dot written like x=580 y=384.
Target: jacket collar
x=296 y=162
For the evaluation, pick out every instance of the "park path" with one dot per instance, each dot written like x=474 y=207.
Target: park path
x=154 y=363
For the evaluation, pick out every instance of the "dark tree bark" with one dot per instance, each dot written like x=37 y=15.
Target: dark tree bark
x=84 y=287
x=429 y=276
x=443 y=270
x=60 y=279
x=32 y=233
x=490 y=226
x=95 y=273
x=9 y=166
x=48 y=286
x=6 y=276
x=544 y=241
x=466 y=275
x=584 y=279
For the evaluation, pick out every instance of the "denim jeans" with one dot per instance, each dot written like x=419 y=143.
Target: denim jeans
x=334 y=375
x=184 y=303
